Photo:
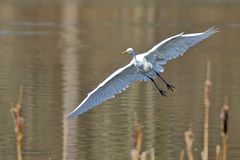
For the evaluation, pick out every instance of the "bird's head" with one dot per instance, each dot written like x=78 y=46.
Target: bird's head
x=129 y=51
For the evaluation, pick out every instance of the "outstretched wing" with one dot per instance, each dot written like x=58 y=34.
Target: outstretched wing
x=114 y=84
x=176 y=45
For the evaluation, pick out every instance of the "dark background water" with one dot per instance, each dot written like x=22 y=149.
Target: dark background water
x=60 y=50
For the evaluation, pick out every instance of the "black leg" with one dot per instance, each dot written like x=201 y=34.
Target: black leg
x=169 y=86
x=163 y=93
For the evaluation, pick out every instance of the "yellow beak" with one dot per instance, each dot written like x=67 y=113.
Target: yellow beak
x=125 y=52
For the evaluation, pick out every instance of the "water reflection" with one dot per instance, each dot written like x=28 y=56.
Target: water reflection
x=70 y=74
x=61 y=50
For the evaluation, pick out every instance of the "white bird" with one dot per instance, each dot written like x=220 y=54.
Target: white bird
x=143 y=67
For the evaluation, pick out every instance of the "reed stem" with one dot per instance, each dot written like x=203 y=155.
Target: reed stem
x=18 y=121
x=181 y=156
x=136 y=153
x=218 y=152
x=207 y=105
x=224 y=126
x=189 y=141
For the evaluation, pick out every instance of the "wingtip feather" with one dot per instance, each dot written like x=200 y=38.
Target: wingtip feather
x=212 y=30
x=75 y=113
x=70 y=116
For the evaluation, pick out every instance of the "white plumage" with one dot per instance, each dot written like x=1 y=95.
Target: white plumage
x=143 y=67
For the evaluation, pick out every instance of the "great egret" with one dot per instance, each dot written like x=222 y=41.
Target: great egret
x=143 y=67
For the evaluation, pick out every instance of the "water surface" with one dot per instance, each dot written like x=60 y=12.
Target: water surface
x=60 y=50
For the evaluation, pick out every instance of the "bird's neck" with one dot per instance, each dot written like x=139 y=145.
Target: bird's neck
x=134 y=57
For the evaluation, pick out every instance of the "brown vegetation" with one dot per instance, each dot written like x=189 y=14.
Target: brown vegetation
x=224 y=125
x=136 y=153
x=18 y=121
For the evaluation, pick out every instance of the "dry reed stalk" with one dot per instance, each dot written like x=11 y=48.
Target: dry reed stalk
x=218 y=152
x=149 y=152
x=138 y=138
x=18 y=121
x=143 y=156
x=224 y=156
x=224 y=126
x=136 y=153
x=207 y=104
x=137 y=143
x=189 y=140
x=181 y=156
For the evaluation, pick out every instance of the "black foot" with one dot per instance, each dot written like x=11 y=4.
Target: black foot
x=171 y=87
x=163 y=93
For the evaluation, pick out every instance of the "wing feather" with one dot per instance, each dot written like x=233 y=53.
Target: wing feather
x=176 y=45
x=114 y=84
